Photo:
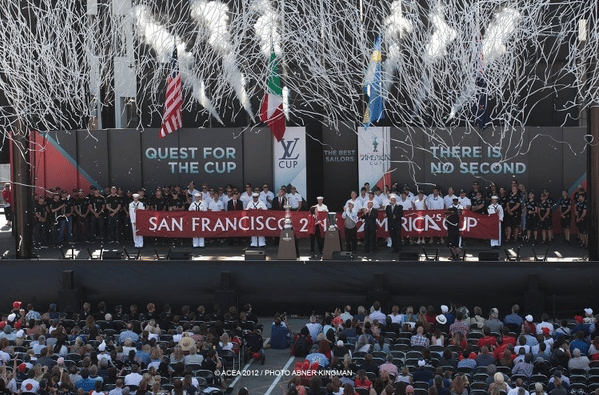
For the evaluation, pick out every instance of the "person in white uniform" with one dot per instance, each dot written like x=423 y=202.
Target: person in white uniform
x=198 y=205
x=495 y=208
x=257 y=204
x=133 y=207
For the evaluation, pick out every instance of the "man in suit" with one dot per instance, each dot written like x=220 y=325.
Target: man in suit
x=279 y=202
x=394 y=213
x=370 y=215
x=235 y=204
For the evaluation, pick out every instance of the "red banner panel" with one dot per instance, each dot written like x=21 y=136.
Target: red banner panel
x=430 y=223
x=187 y=224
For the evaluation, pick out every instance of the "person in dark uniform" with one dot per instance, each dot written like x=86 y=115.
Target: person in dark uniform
x=58 y=219
x=370 y=215
x=113 y=207
x=452 y=223
x=97 y=205
x=40 y=212
x=545 y=220
x=565 y=212
x=478 y=203
x=394 y=213
x=82 y=215
x=158 y=203
x=531 y=208
x=513 y=214
x=69 y=211
x=581 y=218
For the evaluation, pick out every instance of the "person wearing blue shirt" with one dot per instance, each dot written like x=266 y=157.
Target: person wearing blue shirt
x=580 y=343
x=315 y=356
x=280 y=337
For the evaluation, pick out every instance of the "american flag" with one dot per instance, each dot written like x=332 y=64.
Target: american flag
x=173 y=120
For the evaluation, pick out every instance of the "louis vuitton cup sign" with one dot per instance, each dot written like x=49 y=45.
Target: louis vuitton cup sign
x=289 y=159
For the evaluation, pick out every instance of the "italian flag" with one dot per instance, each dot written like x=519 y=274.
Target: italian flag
x=271 y=110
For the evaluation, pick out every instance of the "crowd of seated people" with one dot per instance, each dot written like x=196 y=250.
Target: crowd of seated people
x=123 y=352
x=450 y=352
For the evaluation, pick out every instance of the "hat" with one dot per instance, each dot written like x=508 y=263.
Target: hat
x=197 y=194
x=455 y=198
x=20 y=333
x=441 y=319
x=319 y=198
x=11 y=317
x=339 y=343
x=579 y=319
x=136 y=195
x=421 y=362
x=545 y=330
x=52 y=306
x=102 y=346
x=444 y=308
x=494 y=197
x=186 y=343
x=494 y=310
x=588 y=311
x=462 y=191
x=498 y=377
x=22 y=367
x=255 y=194
x=7 y=329
x=16 y=304
x=528 y=318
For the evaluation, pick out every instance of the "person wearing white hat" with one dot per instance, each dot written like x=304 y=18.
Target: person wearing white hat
x=257 y=204
x=133 y=207
x=198 y=205
x=495 y=208
x=317 y=236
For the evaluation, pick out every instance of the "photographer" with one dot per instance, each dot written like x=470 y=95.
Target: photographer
x=213 y=363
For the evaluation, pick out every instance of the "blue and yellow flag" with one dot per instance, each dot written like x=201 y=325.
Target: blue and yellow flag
x=372 y=87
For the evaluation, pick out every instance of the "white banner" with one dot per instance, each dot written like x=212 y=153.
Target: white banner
x=289 y=160
x=374 y=156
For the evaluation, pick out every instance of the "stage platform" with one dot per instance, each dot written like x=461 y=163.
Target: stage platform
x=177 y=274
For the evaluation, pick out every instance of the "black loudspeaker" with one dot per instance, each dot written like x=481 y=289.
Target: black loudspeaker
x=255 y=255
x=112 y=254
x=409 y=256
x=179 y=256
x=343 y=256
x=69 y=299
x=225 y=280
x=379 y=281
x=490 y=256
x=68 y=279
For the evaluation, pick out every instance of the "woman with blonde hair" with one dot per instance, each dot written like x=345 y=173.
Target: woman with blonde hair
x=225 y=343
x=458 y=386
x=178 y=355
x=498 y=382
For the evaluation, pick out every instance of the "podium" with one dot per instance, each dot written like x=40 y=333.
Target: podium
x=288 y=249
x=332 y=243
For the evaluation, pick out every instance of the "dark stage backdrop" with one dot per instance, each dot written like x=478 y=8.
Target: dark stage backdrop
x=301 y=287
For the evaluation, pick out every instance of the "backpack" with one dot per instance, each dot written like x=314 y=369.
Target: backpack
x=301 y=346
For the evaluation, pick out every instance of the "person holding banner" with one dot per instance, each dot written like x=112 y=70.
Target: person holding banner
x=394 y=213
x=257 y=204
x=495 y=208
x=198 y=205
x=133 y=207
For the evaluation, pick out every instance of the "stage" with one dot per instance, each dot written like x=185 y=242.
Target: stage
x=222 y=273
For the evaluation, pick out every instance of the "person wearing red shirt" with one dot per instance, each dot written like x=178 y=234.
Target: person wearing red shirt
x=487 y=340
x=7 y=197
x=506 y=338
x=362 y=381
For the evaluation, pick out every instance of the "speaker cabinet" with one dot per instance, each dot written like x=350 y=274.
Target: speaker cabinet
x=255 y=255
x=179 y=256
x=489 y=256
x=68 y=279
x=409 y=256
x=343 y=256
x=112 y=254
